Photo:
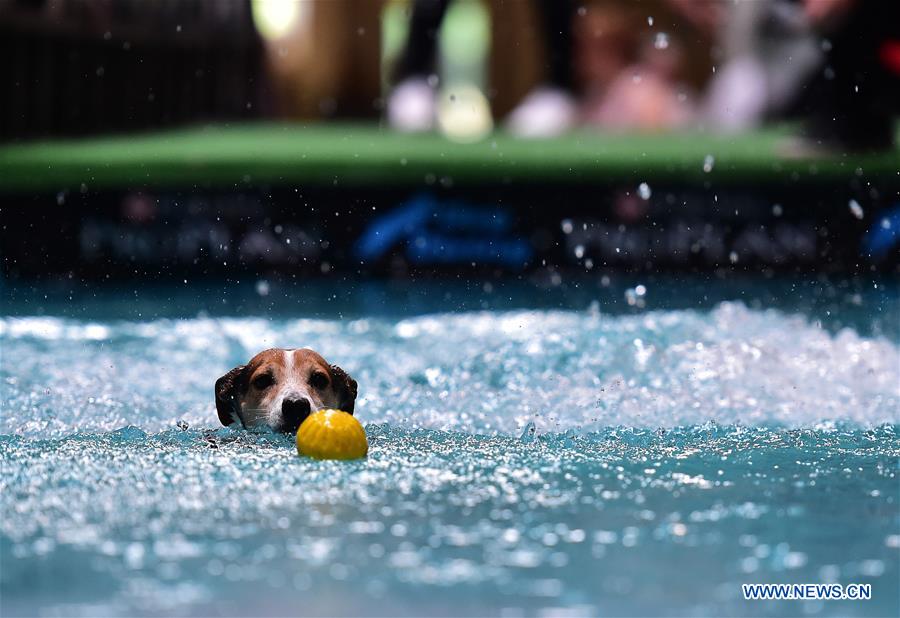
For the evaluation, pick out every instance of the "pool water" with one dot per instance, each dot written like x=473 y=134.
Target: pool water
x=592 y=457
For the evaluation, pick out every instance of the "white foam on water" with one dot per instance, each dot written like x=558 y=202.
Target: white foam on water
x=482 y=372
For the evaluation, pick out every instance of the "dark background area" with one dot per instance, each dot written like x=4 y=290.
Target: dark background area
x=80 y=69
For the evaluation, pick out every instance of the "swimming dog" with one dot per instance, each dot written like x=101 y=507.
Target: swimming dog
x=279 y=388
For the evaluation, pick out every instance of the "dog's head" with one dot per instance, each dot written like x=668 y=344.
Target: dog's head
x=279 y=388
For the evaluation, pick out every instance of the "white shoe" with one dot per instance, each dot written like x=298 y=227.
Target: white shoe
x=411 y=106
x=545 y=112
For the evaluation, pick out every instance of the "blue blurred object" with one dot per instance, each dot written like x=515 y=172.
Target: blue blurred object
x=451 y=232
x=883 y=236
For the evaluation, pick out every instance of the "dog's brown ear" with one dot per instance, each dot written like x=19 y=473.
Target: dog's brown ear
x=229 y=389
x=345 y=387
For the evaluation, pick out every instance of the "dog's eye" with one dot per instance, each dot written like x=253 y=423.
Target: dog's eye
x=264 y=381
x=318 y=380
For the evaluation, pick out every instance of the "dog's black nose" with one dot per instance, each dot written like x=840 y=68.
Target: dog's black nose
x=294 y=412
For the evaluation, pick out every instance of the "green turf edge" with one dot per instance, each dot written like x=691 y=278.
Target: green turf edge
x=365 y=155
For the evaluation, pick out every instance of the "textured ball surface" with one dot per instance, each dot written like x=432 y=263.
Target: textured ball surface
x=332 y=434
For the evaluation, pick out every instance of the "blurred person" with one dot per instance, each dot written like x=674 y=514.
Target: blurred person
x=835 y=63
x=630 y=77
x=411 y=105
x=769 y=52
x=549 y=109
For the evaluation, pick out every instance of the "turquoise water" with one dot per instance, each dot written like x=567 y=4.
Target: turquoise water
x=529 y=455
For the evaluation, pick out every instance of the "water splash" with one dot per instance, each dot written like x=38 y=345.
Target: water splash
x=730 y=365
x=650 y=439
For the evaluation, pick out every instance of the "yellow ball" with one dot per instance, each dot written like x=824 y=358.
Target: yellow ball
x=332 y=434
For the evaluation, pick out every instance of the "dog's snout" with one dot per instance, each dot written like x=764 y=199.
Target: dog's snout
x=294 y=412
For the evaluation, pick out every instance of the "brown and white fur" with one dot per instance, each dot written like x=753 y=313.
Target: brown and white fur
x=279 y=388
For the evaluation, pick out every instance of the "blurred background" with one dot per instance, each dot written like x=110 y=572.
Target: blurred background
x=538 y=67
x=641 y=117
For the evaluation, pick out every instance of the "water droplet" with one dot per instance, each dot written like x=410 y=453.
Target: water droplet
x=650 y=20
x=644 y=191
x=856 y=210
x=566 y=226
x=661 y=41
x=708 y=162
x=635 y=299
